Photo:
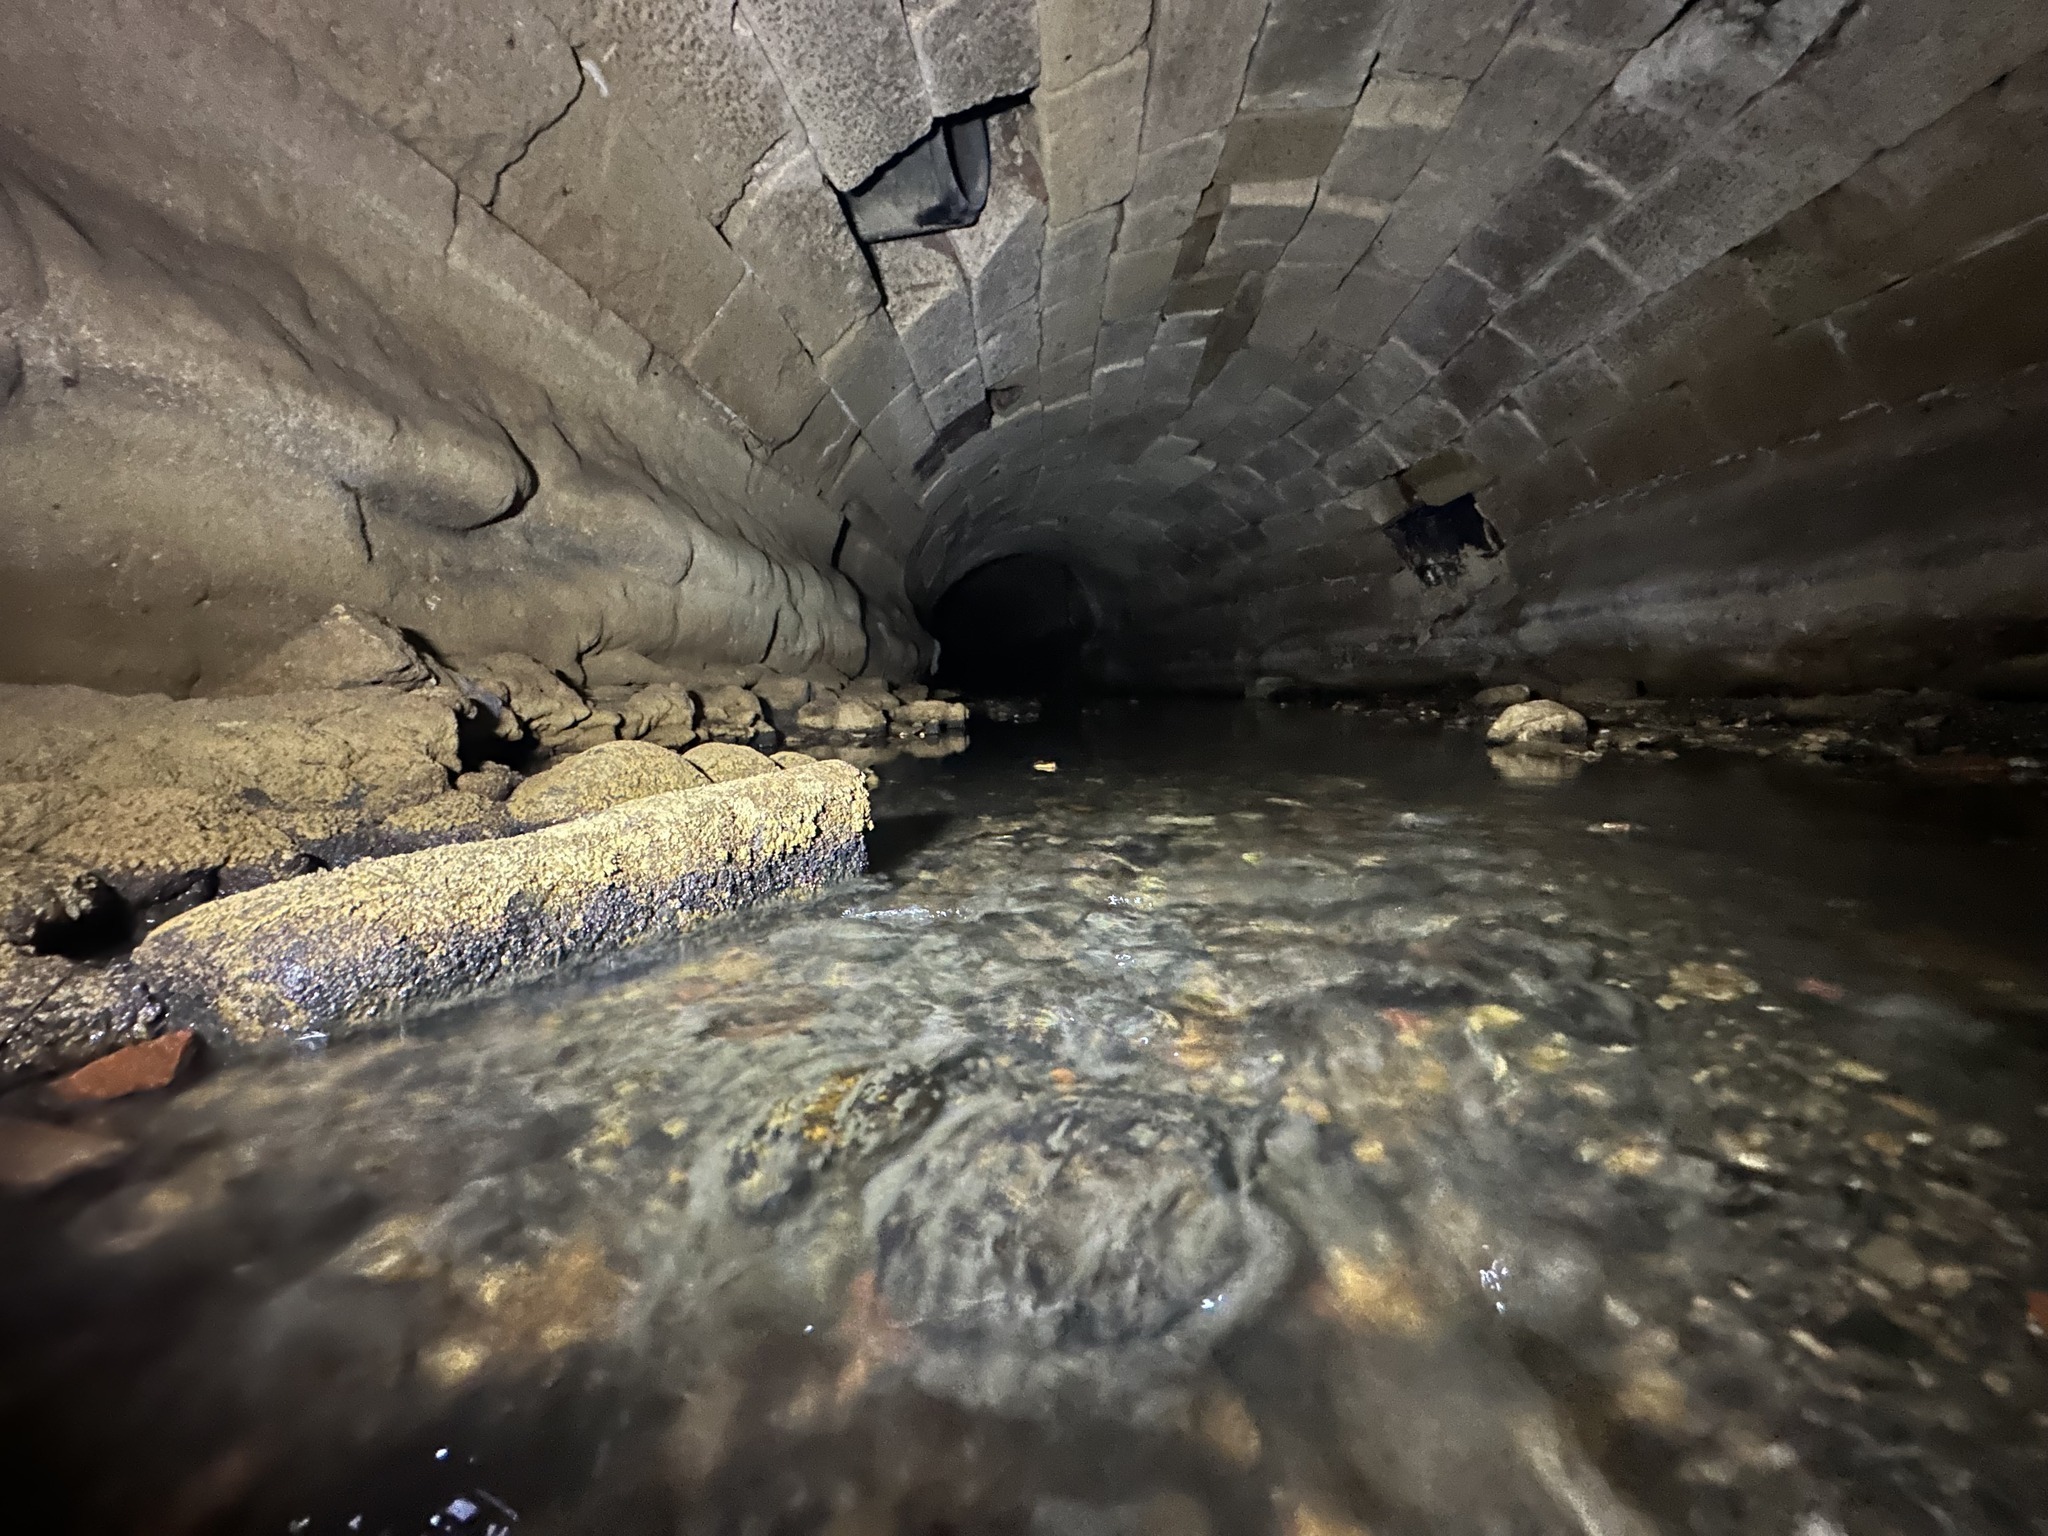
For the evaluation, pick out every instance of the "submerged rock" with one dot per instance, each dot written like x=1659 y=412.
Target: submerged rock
x=1540 y=721
x=1096 y=1243
x=851 y=1117
x=326 y=955
x=35 y=1155
x=56 y=1013
x=608 y=774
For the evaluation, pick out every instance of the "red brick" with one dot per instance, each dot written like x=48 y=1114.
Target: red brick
x=139 y=1068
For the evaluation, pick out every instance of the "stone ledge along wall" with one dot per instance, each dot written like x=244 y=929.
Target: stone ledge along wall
x=538 y=327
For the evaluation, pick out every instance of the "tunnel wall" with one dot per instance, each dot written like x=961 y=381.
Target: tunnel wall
x=1688 y=295
x=539 y=326
x=422 y=306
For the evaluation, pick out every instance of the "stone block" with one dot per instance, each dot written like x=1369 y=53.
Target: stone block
x=1430 y=222
x=594 y=198
x=928 y=304
x=867 y=368
x=1533 y=92
x=1368 y=302
x=1783 y=388
x=1893 y=67
x=1367 y=461
x=1279 y=458
x=1177 y=170
x=1264 y=213
x=1444 y=314
x=1297 y=298
x=749 y=360
x=1717 y=58
x=902 y=432
x=851 y=73
x=1387 y=381
x=1160 y=221
x=1076 y=255
x=1124 y=341
x=1210 y=293
x=1070 y=417
x=973 y=51
x=1659 y=435
x=1186 y=326
x=1069 y=328
x=1275 y=412
x=1953 y=327
x=324 y=957
x=701 y=90
x=999 y=253
x=816 y=456
x=1946 y=190
x=1331 y=426
x=1115 y=390
x=1484 y=371
x=1716 y=311
x=1090 y=134
x=1311 y=54
x=468 y=91
x=1078 y=37
x=1629 y=143
x=1281 y=146
x=1456 y=38
x=1061 y=374
x=1337 y=231
x=1620 y=24
x=1138 y=281
x=1537 y=223
x=1066 y=375
x=1380 y=503
x=1719 y=198
x=1503 y=440
x=789 y=228
x=1201 y=48
x=1299 y=493
x=957 y=394
x=1558 y=483
x=1445 y=476
x=1419 y=428
x=1571 y=395
x=1585 y=295
x=863 y=481
x=1173 y=473
x=1009 y=349
x=1322 y=368
x=1391 y=132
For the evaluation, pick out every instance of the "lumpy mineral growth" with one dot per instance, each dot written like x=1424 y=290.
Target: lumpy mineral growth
x=1271 y=1120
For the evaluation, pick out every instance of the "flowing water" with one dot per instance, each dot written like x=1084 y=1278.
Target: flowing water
x=1263 y=1122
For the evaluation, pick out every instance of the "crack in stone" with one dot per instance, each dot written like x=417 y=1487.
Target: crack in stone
x=583 y=82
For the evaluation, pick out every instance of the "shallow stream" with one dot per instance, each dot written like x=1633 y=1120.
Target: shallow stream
x=1264 y=1122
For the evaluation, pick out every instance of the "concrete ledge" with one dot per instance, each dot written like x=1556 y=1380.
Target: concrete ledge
x=321 y=956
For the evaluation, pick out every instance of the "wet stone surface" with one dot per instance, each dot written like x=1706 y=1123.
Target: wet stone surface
x=1264 y=1122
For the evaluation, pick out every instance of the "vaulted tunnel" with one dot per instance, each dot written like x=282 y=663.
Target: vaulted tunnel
x=1024 y=767
x=550 y=328
x=1020 y=624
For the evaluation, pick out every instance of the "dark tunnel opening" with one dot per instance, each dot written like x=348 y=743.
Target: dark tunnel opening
x=1018 y=624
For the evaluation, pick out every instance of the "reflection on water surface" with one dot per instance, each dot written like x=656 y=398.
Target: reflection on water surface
x=1267 y=1122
